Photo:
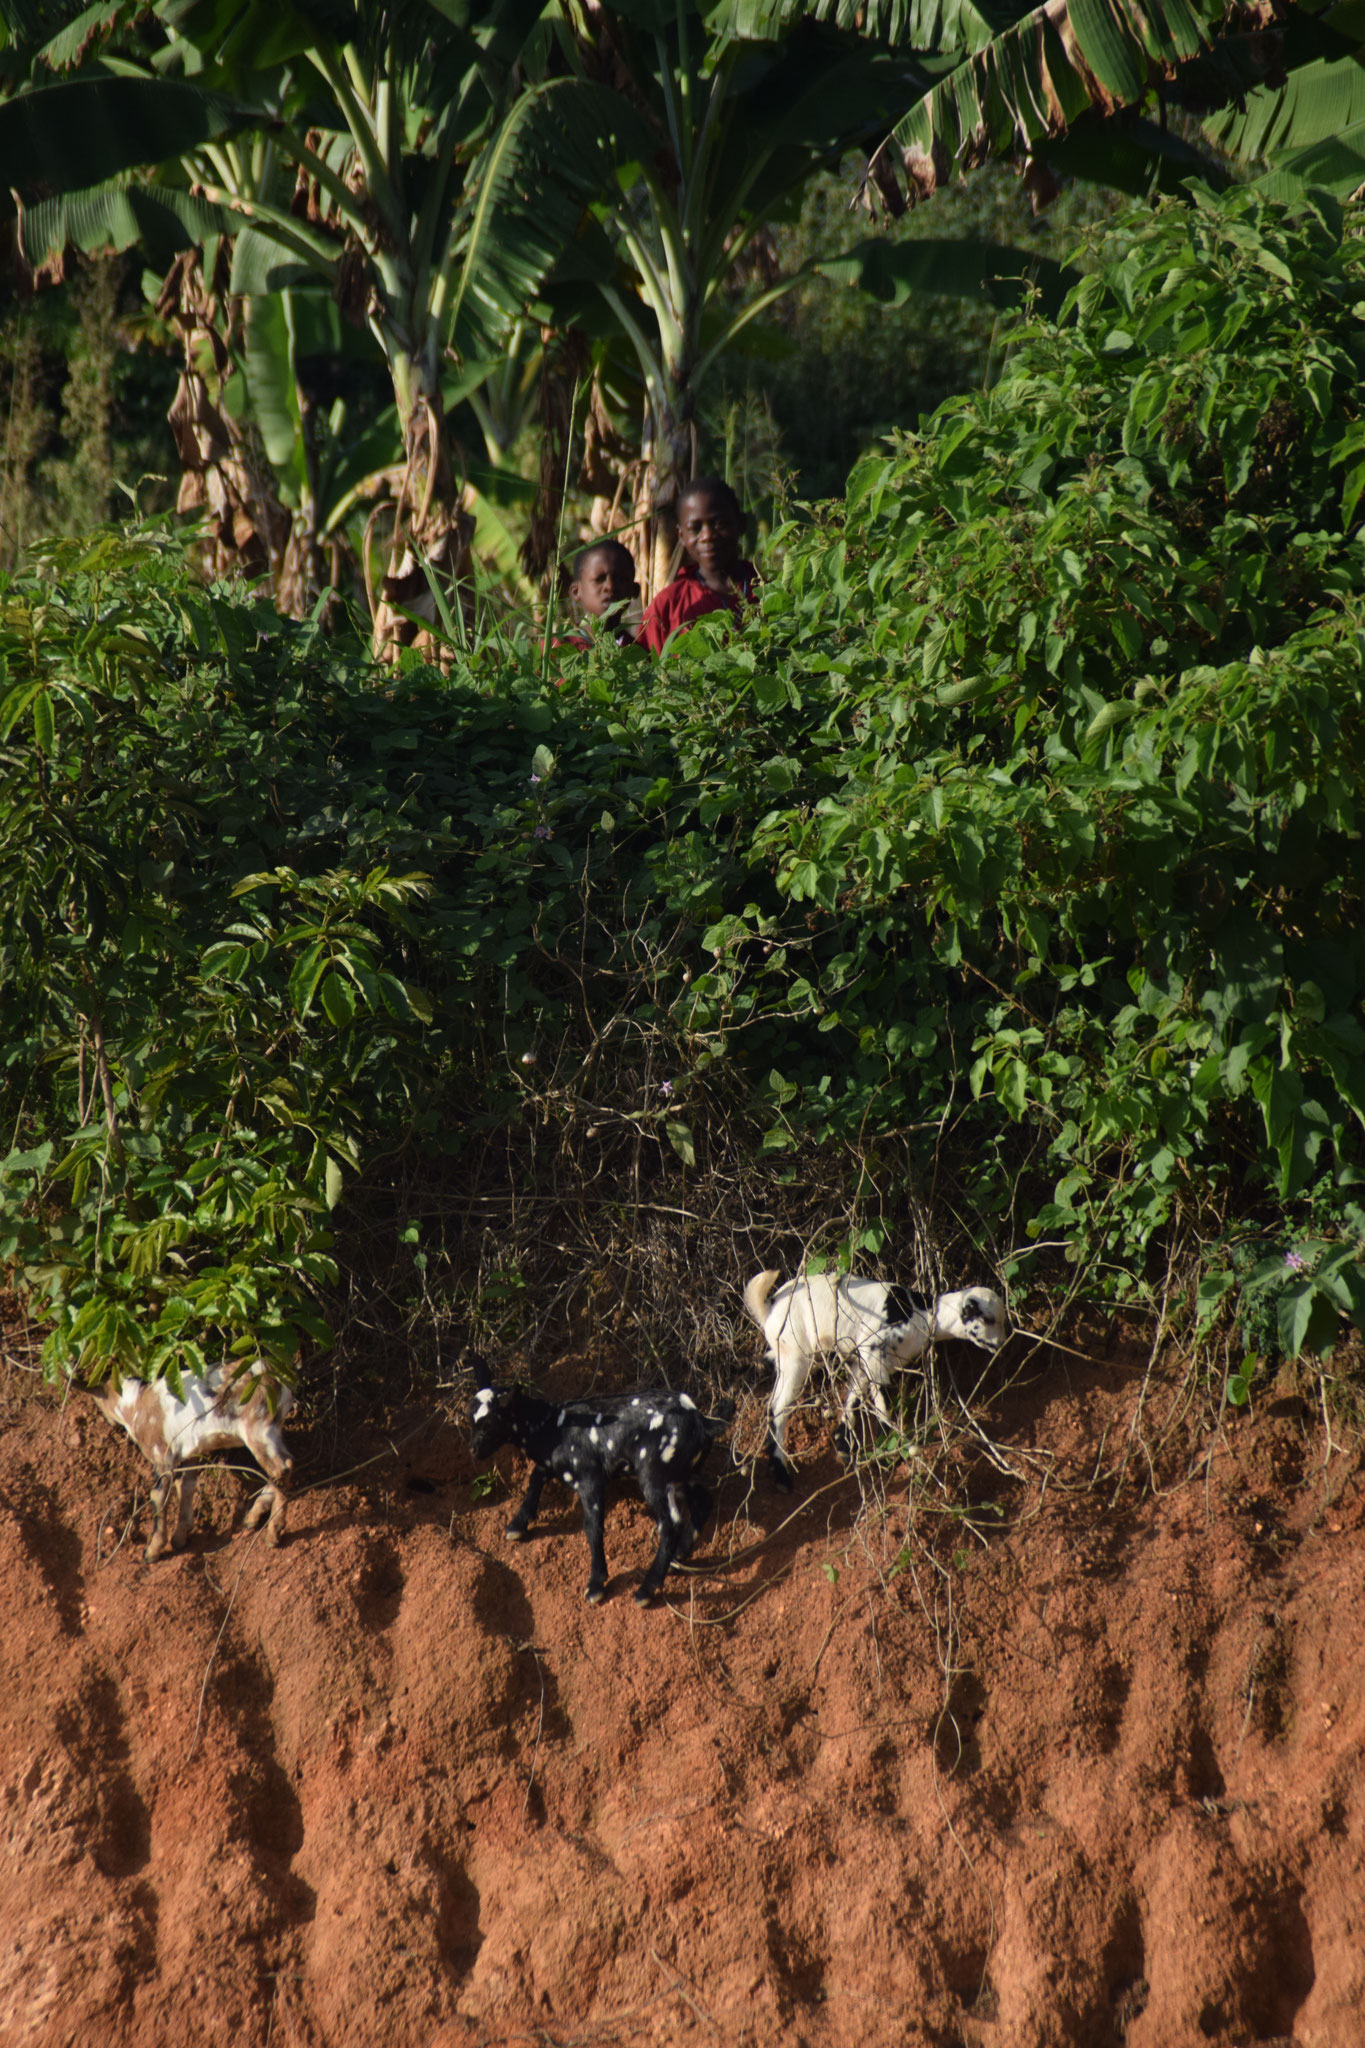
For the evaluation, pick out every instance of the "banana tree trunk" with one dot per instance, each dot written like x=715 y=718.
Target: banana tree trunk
x=670 y=461
x=432 y=530
x=303 y=573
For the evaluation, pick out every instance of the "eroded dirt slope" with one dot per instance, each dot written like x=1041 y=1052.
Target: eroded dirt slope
x=1095 y=1780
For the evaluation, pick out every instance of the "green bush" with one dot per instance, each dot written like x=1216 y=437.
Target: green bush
x=200 y=1035
x=1004 y=870
x=1111 y=675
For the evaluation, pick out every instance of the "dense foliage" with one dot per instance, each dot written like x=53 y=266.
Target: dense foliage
x=1010 y=855
x=853 y=366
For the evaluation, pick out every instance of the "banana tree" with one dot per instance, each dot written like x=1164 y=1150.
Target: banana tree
x=1306 y=125
x=673 y=260
x=311 y=390
x=393 y=158
x=728 y=132
x=1084 y=88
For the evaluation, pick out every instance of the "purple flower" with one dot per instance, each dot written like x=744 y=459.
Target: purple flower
x=533 y=778
x=541 y=832
x=665 y=1087
x=1295 y=1261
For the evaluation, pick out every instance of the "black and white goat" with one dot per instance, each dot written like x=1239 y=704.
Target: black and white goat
x=223 y=1411
x=875 y=1324
x=659 y=1438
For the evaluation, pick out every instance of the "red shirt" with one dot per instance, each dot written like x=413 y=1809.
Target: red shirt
x=687 y=598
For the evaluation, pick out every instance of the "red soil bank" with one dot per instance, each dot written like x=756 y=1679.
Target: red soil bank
x=1093 y=1779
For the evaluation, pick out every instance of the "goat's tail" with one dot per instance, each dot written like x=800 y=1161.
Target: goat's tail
x=756 y=1295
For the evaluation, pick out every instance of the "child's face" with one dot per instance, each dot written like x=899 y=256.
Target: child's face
x=709 y=532
x=605 y=579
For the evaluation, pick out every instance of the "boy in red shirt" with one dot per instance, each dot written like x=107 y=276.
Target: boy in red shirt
x=714 y=576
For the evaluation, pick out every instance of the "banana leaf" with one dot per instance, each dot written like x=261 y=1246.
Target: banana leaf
x=1028 y=85
x=69 y=137
x=161 y=219
x=896 y=272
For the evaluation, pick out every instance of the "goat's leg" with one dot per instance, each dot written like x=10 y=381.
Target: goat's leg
x=867 y=1379
x=184 y=1521
x=699 y=1505
x=666 y=1501
x=274 y=1528
x=844 y=1442
x=592 y=1491
x=793 y=1370
x=519 y=1526
x=272 y=1500
x=161 y=1487
x=877 y=1382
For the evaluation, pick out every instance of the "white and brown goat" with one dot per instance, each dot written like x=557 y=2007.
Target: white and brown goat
x=225 y=1410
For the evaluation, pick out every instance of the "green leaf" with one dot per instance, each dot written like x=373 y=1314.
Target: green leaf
x=263 y=263
x=158 y=219
x=338 y=1000
x=911 y=24
x=680 y=1138
x=898 y=272
x=1037 y=76
x=272 y=385
x=308 y=972
x=1307 y=1320
x=1212 y=1292
x=1011 y=1085
x=15 y=704
x=1311 y=129
x=557 y=151
x=70 y=136
x=964 y=693
x=1107 y=717
x=44 y=723
x=419 y=1003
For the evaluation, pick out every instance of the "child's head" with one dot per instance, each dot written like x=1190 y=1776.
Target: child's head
x=603 y=576
x=710 y=524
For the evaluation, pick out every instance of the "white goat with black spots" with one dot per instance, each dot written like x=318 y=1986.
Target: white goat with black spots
x=659 y=1438
x=225 y=1410
x=876 y=1325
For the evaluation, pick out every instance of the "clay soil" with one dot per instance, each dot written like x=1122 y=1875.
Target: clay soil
x=1062 y=1752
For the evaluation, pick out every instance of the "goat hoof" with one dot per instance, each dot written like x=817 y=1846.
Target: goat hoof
x=596 y=1595
x=154 y=1550
x=513 y=1534
x=781 y=1477
x=644 y=1595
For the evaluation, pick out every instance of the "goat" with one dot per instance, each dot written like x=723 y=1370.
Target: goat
x=661 y=1438
x=875 y=1324
x=224 y=1409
